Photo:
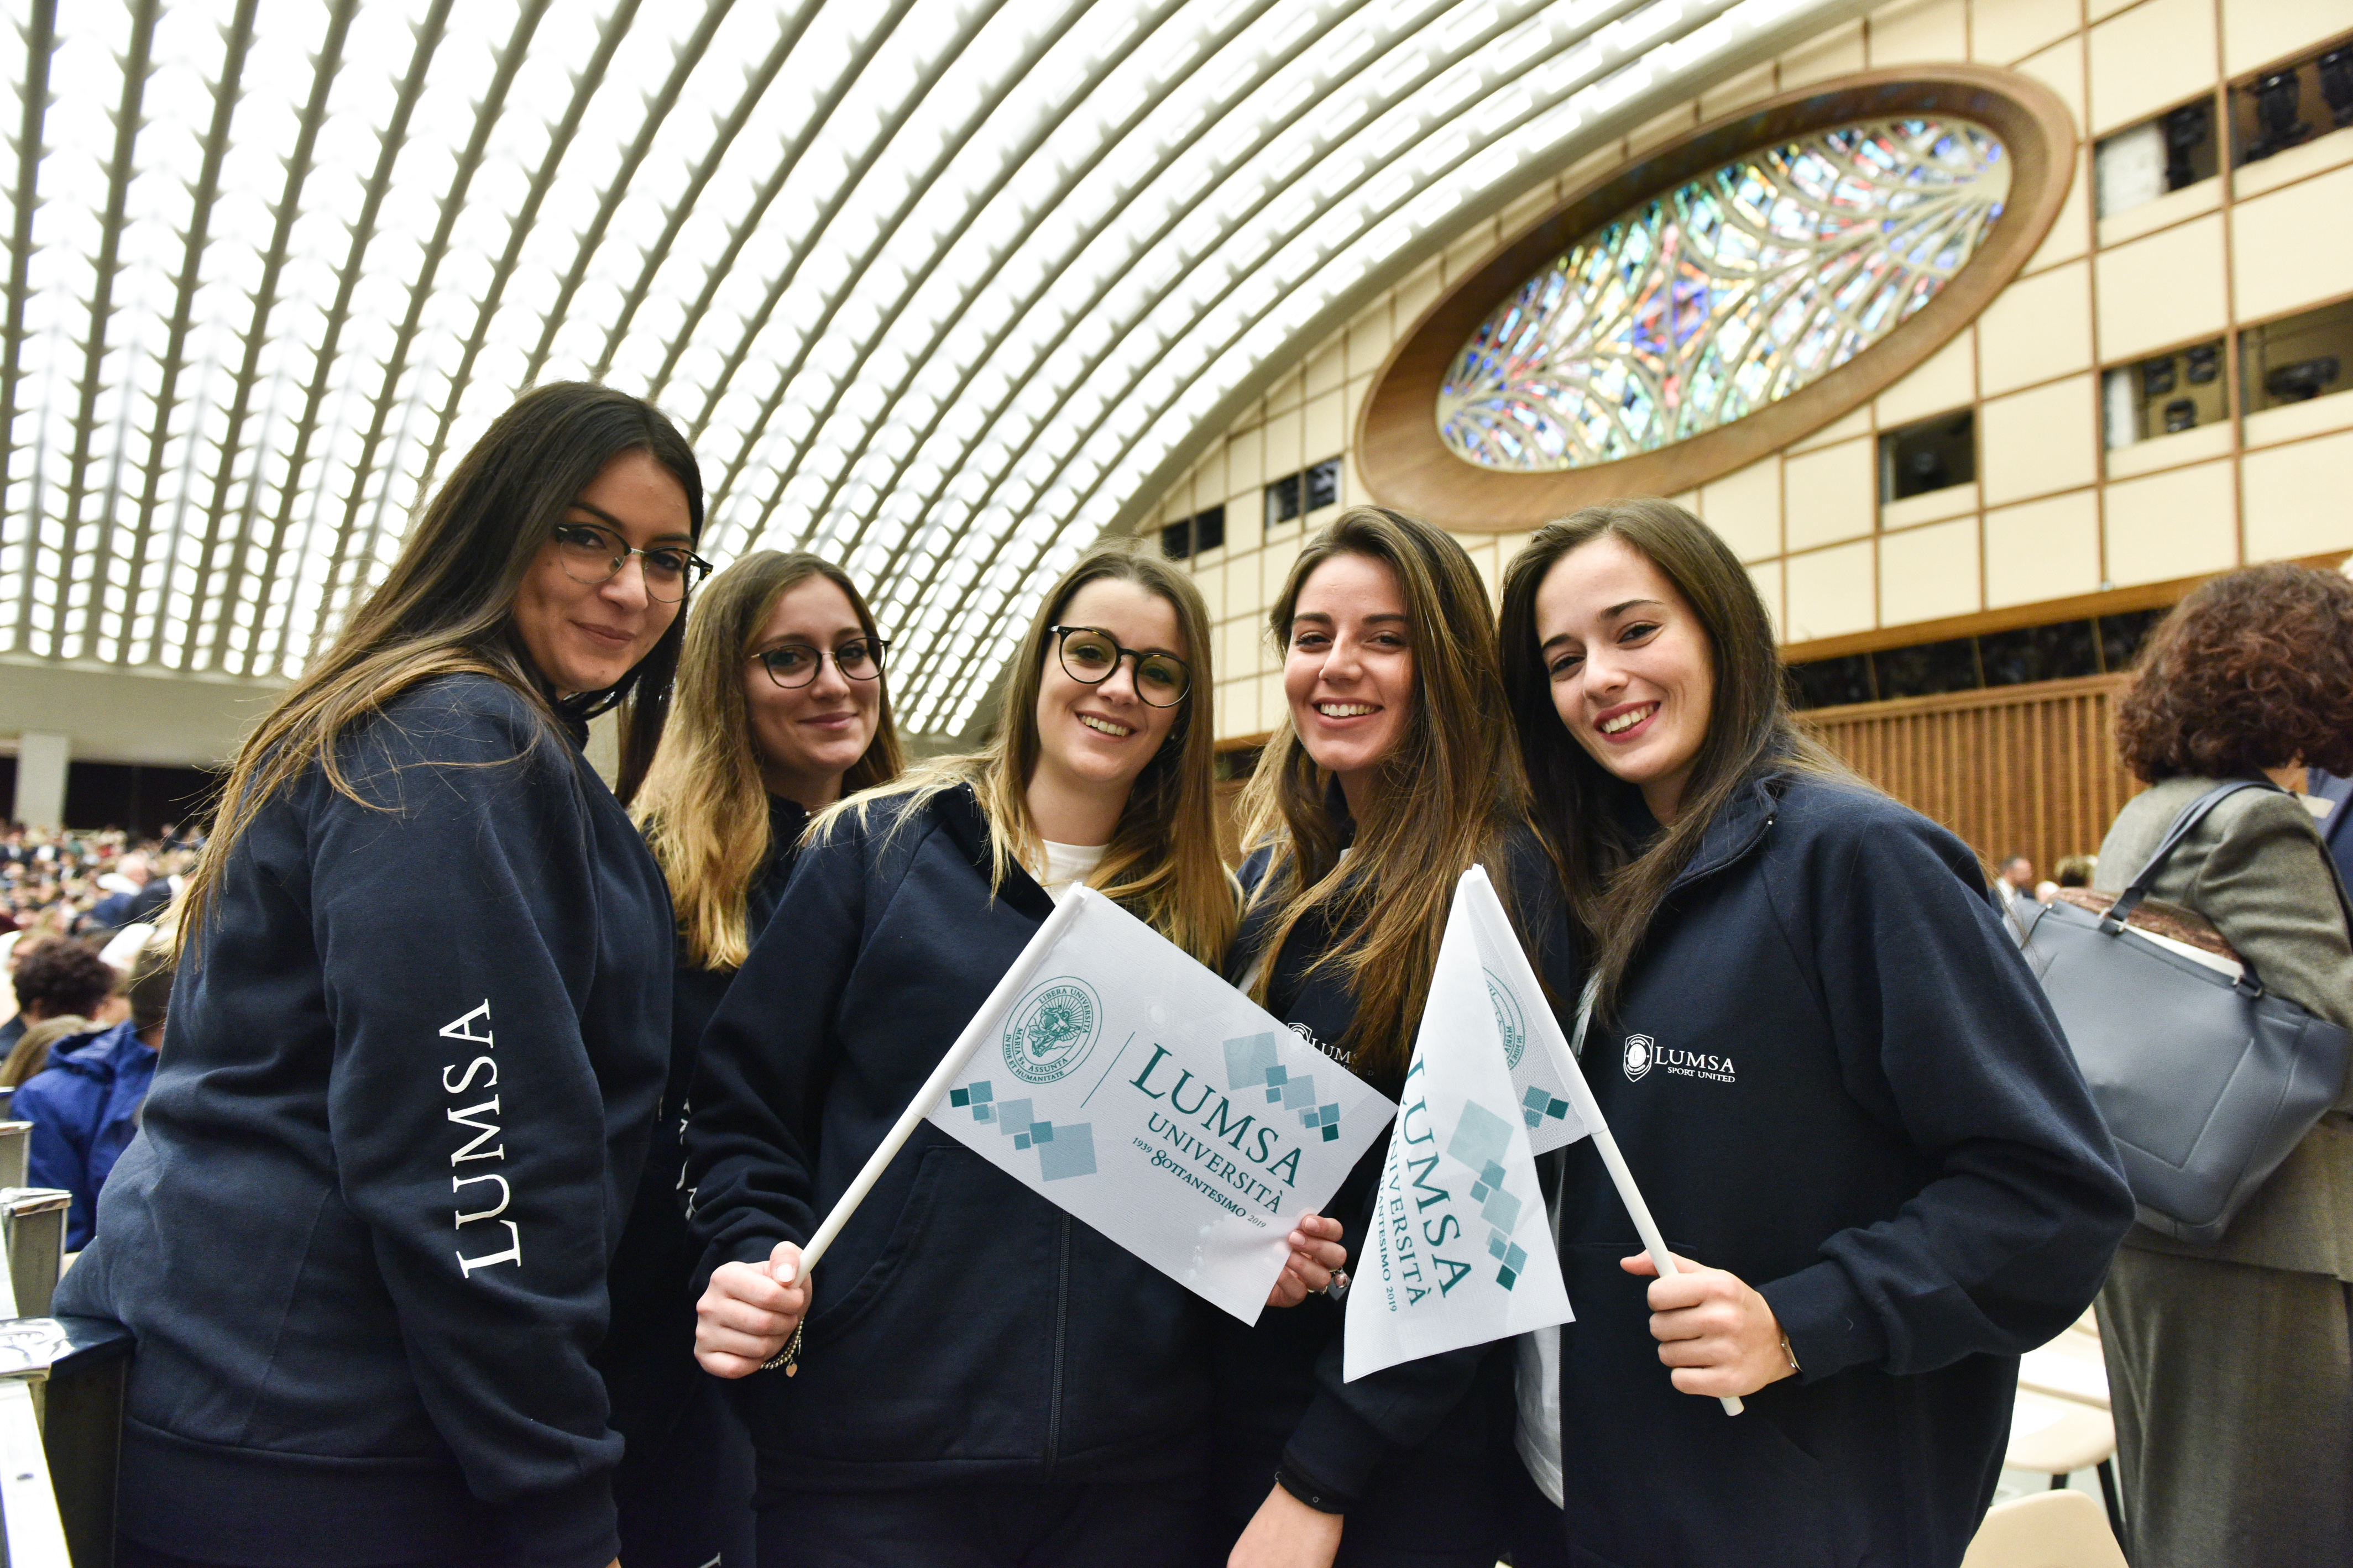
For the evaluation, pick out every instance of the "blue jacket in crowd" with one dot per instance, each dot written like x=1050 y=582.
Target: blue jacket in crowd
x=1832 y=1075
x=363 y=1234
x=964 y=1328
x=84 y=1108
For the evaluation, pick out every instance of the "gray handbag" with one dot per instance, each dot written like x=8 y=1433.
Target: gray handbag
x=2206 y=1082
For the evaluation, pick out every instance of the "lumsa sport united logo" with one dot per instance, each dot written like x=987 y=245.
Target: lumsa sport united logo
x=1051 y=1030
x=1641 y=1052
x=1510 y=1021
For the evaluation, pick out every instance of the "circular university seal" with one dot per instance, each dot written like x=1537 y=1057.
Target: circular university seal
x=1509 y=1021
x=1051 y=1030
x=1639 y=1056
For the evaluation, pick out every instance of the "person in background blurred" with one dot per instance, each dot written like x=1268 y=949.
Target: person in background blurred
x=2230 y=1370
x=2077 y=870
x=32 y=1049
x=2015 y=886
x=781 y=708
x=55 y=978
x=138 y=902
x=84 y=1103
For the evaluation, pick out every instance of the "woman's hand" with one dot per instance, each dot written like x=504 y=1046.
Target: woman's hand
x=1720 y=1336
x=1286 y=1533
x=1315 y=1256
x=749 y=1311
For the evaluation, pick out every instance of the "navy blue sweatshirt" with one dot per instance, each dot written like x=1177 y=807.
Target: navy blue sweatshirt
x=362 y=1236
x=1418 y=1451
x=1832 y=1075
x=647 y=1359
x=963 y=1329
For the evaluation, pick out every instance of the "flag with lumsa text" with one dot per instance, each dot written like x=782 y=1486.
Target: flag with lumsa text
x=1460 y=1251
x=1146 y=1097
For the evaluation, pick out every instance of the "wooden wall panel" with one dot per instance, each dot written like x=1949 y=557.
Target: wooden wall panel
x=2025 y=768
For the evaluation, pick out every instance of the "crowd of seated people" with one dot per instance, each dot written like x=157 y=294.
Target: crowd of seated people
x=85 y=972
x=90 y=884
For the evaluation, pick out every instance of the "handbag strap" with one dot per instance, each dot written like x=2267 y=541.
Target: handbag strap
x=2183 y=825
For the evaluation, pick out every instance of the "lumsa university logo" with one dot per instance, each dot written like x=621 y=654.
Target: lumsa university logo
x=1510 y=1021
x=1051 y=1030
x=1640 y=1054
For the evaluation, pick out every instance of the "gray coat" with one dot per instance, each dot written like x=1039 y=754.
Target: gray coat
x=2256 y=868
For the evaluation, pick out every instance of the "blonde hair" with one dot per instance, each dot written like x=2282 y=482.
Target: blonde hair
x=702 y=807
x=1447 y=795
x=1163 y=861
x=30 y=1057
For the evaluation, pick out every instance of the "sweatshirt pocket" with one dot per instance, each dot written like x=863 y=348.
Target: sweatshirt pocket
x=1659 y=1478
x=838 y=1310
x=940 y=1349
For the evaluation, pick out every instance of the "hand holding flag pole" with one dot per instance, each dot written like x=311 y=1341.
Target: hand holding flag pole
x=1580 y=1095
x=975 y=1035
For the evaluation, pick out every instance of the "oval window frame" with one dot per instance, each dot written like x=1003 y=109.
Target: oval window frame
x=1407 y=465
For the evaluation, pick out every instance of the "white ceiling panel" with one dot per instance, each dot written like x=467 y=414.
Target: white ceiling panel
x=936 y=287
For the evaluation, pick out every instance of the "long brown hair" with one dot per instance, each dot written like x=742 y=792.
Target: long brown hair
x=1163 y=861
x=702 y=807
x=1447 y=794
x=1615 y=884
x=446 y=606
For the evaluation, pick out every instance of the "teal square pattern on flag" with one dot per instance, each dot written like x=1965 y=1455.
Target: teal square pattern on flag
x=1128 y=1084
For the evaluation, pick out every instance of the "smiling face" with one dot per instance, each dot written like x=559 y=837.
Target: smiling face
x=807 y=736
x=1096 y=739
x=1348 y=673
x=585 y=636
x=1632 y=674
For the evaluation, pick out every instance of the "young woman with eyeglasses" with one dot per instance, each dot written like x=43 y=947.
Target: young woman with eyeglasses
x=983 y=1379
x=780 y=708
x=1391 y=775
x=1837 y=1085
x=418 y=1032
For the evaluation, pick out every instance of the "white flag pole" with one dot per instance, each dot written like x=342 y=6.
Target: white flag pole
x=1580 y=1094
x=967 y=1045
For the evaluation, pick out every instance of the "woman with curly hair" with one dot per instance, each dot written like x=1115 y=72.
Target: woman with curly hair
x=2228 y=1362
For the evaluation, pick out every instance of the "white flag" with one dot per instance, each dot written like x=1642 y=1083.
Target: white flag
x=1145 y=1096
x=1544 y=1077
x=1460 y=1253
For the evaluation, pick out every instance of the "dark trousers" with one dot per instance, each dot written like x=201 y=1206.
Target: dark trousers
x=685 y=1497
x=1539 y=1530
x=1011 y=1525
x=2232 y=1391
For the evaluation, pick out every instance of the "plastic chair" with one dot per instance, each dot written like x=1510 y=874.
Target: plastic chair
x=2049 y=1530
x=2056 y=1437
x=2060 y=1422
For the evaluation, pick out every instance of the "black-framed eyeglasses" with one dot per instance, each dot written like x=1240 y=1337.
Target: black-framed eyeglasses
x=1091 y=654
x=593 y=555
x=793 y=665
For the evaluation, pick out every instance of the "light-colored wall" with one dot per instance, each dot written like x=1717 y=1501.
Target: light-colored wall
x=124 y=716
x=2051 y=516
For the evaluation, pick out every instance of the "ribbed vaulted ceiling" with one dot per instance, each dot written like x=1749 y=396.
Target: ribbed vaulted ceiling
x=937 y=288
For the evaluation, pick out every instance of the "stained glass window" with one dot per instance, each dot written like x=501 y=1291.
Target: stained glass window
x=1724 y=295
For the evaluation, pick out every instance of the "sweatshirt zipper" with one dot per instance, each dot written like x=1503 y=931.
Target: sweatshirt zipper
x=1061 y=1324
